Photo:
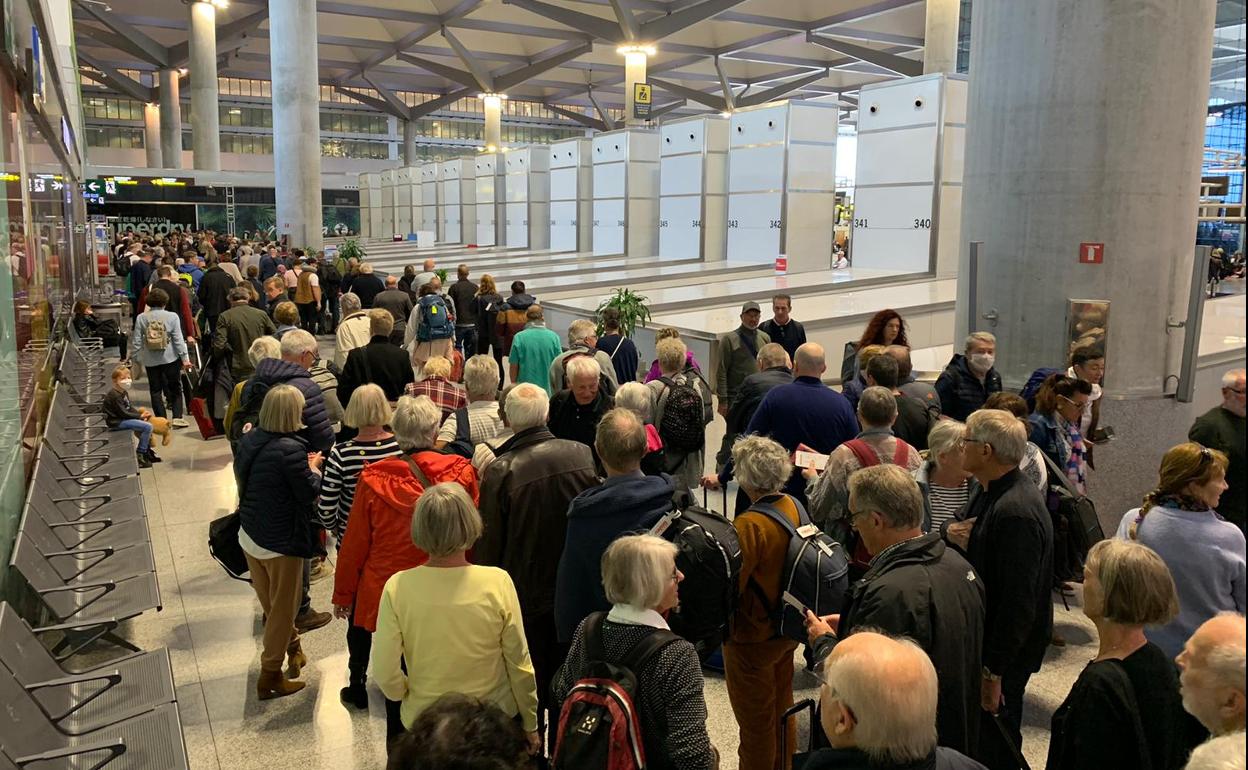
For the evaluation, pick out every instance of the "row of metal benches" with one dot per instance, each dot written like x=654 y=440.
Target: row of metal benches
x=83 y=552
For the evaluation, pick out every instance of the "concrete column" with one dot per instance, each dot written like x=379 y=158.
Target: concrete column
x=635 y=59
x=151 y=135
x=493 y=122
x=409 y=143
x=1100 y=144
x=170 y=120
x=940 y=36
x=205 y=119
x=296 y=123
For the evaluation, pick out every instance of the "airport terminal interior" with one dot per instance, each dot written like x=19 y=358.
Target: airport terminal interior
x=621 y=384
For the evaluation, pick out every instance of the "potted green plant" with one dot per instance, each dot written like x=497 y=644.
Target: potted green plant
x=350 y=249
x=441 y=273
x=632 y=307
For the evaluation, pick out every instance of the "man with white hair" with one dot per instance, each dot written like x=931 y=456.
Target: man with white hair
x=367 y=286
x=1212 y=672
x=1011 y=548
x=918 y=588
x=481 y=413
x=879 y=708
x=354 y=331
x=525 y=494
x=576 y=410
x=1222 y=428
x=426 y=275
x=582 y=342
x=1225 y=752
x=969 y=378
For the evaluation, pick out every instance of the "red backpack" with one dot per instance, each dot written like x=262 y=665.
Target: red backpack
x=860 y=558
x=599 y=723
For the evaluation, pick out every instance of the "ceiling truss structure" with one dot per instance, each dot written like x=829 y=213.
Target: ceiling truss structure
x=716 y=55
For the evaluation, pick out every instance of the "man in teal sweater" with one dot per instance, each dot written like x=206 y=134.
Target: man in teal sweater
x=533 y=350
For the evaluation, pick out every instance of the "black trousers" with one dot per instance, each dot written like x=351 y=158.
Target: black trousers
x=994 y=751
x=359 y=648
x=309 y=316
x=165 y=381
x=487 y=345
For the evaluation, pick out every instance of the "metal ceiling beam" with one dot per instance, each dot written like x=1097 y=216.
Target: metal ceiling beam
x=618 y=74
x=659 y=112
x=692 y=94
x=628 y=22
x=398 y=106
x=373 y=12
x=433 y=105
x=775 y=92
x=729 y=98
x=482 y=75
x=450 y=73
x=143 y=46
x=544 y=62
x=666 y=25
x=891 y=62
x=405 y=42
x=229 y=37
x=865 y=12
x=589 y=24
x=853 y=33
x=380 y=105
x=122 y=43
x=602 y=114
x=583 y=119
x=115 y=80
x=750 y=42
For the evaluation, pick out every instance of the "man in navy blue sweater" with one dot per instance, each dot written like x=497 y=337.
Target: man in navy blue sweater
x=803 y=412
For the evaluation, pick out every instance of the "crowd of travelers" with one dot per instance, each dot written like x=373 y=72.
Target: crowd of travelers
x=508 y=516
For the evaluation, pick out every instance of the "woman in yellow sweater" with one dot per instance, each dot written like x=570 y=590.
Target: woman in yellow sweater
x=457 y=625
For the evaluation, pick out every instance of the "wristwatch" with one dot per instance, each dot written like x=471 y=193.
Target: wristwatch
x=991 y=677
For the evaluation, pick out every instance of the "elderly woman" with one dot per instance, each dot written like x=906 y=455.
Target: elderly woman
x=758 y=664
x=286 y=316
x=668 y=333
x=1055 y=426
x=1204 y=552
x=639 y=400
x=945 y=484
x=481 y=412
x=261 y=348
x=369 y=414
x=640 y=577
x=278 y=481
x=1125 y=709
x=459 y=625
x=437 y=385
x=376 y=545
x=1032 y=465
x=685 y=467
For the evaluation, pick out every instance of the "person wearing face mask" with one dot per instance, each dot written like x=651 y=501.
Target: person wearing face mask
x=738 y=354
x=119 y=414
x=781 y=327
x=1204 y=552
x=1222 y=428
x=969 y=378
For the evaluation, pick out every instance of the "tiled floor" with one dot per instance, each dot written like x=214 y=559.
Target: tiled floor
x=211 y=624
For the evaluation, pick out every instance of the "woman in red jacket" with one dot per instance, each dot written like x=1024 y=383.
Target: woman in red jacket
x=378 y=540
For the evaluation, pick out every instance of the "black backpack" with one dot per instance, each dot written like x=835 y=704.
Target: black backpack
x=710 y=558
x=816 y=573
x=462 y=443
x=248 y=411
x=599 y=722
x=681 y=426
x=1076 y=527
x=121 y=264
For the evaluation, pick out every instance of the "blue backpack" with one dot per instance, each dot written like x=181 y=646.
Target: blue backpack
x=1034 y=382
x=435 y=320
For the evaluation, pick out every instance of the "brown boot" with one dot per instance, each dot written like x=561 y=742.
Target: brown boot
x=273 y=685
x=295 y=660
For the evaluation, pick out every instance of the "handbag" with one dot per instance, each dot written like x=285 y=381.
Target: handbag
x=224 y=547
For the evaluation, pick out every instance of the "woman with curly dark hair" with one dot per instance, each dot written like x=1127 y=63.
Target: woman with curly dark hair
x=885 y=328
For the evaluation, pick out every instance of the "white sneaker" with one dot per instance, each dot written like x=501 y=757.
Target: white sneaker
x=180 y=423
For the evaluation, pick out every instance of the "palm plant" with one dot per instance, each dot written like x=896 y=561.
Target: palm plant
x=632 y=307
x=350 y=249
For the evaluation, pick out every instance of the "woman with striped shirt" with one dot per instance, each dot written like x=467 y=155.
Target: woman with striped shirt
x=946 y=486
x=369 y=412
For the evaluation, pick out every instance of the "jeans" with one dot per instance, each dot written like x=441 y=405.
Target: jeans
x=484 y=346
x=305 y=599
x=144 y=430
x=165 y=381
x=466 y=340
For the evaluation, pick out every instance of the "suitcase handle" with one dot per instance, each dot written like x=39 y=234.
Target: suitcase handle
x=794 y=710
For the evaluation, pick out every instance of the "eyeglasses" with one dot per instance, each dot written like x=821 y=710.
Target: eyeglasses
x=1073 y=402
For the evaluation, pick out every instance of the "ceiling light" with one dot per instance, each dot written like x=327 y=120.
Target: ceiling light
x=236 y=111
x=490 y=95
x=648 y=50
x=221 y=3
x=726 y=114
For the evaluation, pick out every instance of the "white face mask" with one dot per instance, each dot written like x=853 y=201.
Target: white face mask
x=982 y=362
x=125 y=384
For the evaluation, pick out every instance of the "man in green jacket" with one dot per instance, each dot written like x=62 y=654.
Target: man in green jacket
x=738 y=355
x=237 y=328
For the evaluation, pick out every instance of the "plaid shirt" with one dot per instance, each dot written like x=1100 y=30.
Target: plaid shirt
x=442 y=392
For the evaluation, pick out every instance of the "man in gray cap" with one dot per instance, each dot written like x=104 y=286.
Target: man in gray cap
x=738 y=355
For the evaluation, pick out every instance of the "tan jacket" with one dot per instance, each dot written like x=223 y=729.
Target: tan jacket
x=353 y=332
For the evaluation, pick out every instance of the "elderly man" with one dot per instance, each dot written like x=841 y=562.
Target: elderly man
x=426 y=275
x=924 y=392
x=367 y=286
x=582 y=341
x=354 y=331
x=462 y=294
x=399 y=303
x=625 y=502
x=969 y=378
x=481 y=413
x=913 y=419
x=1011 y=548
x=738 y=355
x=1222 y=428
x=236 y=329
x=576 y=410
x=380 y=362
x=525 y=494
x=916 y=588
x=879 y=709
x=532 y=351
x=1212 y=674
